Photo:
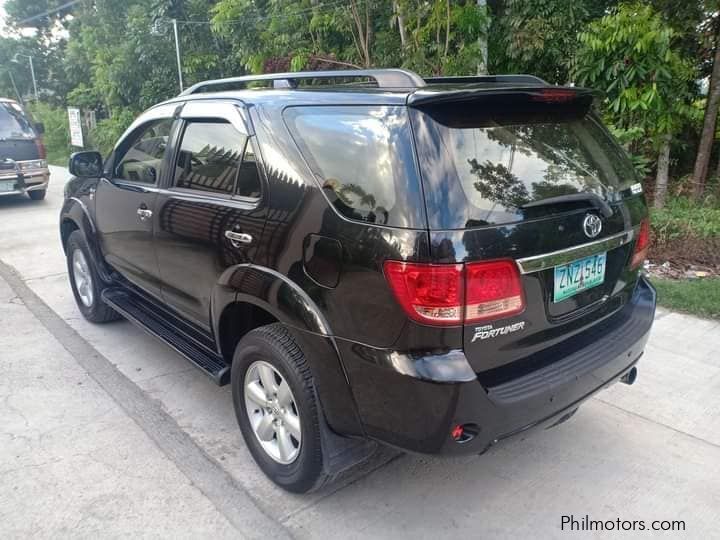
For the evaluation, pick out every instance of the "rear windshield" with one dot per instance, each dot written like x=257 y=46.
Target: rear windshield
x=363 y=158
x=482 y=171
x=13 y=123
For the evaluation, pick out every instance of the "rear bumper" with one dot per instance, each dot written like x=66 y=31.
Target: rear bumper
x=418 y=415
x=30 y=181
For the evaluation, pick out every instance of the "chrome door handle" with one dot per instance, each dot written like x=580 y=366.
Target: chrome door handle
x=144 y=213
x=237 y=238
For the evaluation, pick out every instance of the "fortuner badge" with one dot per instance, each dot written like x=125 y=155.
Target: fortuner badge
x=487 y=331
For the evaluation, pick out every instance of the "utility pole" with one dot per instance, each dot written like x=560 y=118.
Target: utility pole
x=12 y=80
x=177 y=53
x=32 y=72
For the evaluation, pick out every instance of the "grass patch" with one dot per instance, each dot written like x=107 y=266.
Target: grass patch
x=695 y=296
x=682 y=216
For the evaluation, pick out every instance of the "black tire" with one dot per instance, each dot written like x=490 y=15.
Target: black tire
x=37 y=194
x=98 y=311
x=275 y=345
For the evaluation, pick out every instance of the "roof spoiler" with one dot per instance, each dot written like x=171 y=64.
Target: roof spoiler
x=516 y=92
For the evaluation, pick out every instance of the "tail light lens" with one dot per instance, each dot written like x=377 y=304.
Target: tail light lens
x=492 y=290
x=42 y=154
x=642 y=245
x=450 y=294
x=429 y=293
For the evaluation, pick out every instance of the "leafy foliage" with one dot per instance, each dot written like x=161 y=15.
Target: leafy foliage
x=629 y=55
x=539 y=37
x=57 y=137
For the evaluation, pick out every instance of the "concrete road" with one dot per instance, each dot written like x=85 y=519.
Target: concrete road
x=106 y=431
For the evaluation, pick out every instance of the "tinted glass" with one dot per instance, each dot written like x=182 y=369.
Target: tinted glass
x=209 y=157
x=248 y=184
x=143 y=159
x=363 y=158
x=485 y=172
x=13 y=123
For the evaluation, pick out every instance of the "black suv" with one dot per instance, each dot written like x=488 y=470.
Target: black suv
x=23 y=168
x=435 y=264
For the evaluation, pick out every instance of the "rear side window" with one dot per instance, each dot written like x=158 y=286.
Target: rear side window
x=363 y=158
x=481 y=169
x=209 y=157
x=13 y=123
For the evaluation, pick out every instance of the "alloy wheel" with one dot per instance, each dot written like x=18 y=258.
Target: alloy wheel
x=83 y=278
x=272 y=411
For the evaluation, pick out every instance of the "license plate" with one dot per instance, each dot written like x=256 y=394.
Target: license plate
x=7 y=185
x=578 y=276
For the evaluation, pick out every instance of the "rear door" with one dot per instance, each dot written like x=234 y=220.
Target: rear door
x=211 y=212
x=535 y=178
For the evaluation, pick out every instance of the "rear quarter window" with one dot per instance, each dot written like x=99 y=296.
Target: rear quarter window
x=363 y=158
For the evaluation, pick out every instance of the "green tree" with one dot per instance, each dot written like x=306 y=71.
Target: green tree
x=539 y=37
x=629 y=55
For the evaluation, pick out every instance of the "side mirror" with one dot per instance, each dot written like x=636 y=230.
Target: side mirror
x=39 y=128
x=86 y=164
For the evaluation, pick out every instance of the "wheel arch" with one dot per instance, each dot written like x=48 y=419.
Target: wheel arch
x=249 y=296
x=75 y=216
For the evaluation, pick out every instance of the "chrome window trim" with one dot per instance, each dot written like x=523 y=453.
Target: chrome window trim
x=536 y=263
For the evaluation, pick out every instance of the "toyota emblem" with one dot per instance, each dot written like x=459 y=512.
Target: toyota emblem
x=592 y=225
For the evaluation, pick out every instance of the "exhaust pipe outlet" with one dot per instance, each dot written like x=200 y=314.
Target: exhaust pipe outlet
x=630 y=376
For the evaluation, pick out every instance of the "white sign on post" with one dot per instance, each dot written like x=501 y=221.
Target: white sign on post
x=76 y=134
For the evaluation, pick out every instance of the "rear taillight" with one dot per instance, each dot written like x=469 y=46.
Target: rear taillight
x=450 y=294
x=641 y=245
x=429 y=293
x=42 y=154
x=492 y=290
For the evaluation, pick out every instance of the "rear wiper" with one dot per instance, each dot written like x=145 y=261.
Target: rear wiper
x=595 y=200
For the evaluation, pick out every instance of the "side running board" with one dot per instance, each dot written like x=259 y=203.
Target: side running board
x=162 y=324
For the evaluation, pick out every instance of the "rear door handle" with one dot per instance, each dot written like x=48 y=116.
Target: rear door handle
x=144 y=213
x=237 y=238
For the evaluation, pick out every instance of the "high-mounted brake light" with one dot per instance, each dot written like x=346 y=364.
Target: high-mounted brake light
x=450 y=294
x=642 y=244
x=554 y=95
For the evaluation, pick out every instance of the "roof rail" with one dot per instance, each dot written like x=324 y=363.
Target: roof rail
x=511 y=79
x=385 y=78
